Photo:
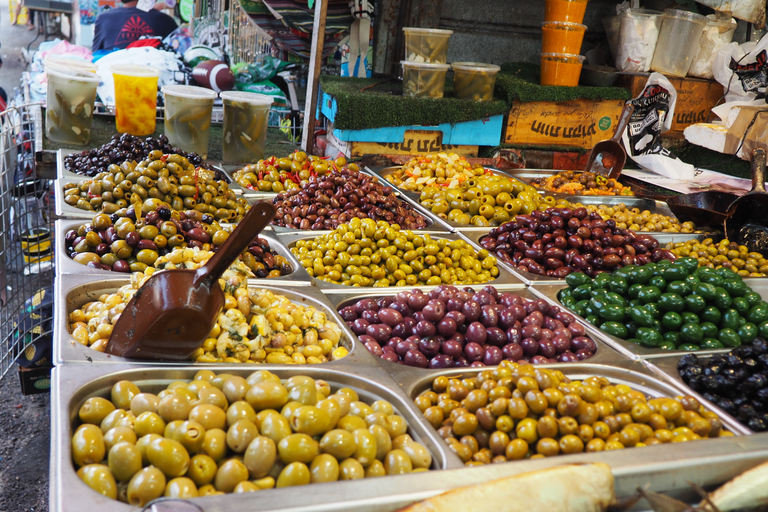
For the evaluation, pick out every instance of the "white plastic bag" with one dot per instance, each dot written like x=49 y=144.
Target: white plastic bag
x=742 y=69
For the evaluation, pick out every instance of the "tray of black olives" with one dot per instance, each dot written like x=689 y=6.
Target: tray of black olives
x=260 y=323
x=235 y=431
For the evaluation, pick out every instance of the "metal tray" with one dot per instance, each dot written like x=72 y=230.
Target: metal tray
x=72 y=291
x=289 y=240
x=72 y=385
x=604 y=354
x=65 y=265
x=666 y=367
x=529 y=278
x=549 y=292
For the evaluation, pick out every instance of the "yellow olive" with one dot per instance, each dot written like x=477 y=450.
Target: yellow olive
x=146 y=485
x=149 y=423
x=99 y=478
x=169 y=456
x=181 y=488
x=142 y=445
x=118 y=434
x=293 y=474
x=88 y=445
x=202 y=469
x=310 y=420
x=365 y=452
x=122 y=393
x=397 y=462
x=324 y=468
x=298 y=448
x=351 y=469
x=95 y=409
x=209 y=416
x=231 y=473
x=240 y=435
x=267 y=395
x=260 y=456
x=124 y=461
x=339 y=443
x=214 y=444
x=144 y=402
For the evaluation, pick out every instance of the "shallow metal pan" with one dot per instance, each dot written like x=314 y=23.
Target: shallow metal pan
x=549 y=292
x=289 y=240
x=72 y=291
x=72 y=385
x=65 y=264
x=605 y=353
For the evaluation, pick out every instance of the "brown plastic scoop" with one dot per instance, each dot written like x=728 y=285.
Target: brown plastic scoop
x=706 y=208
x=170 y=316
x=746 y=222
x=608 y=157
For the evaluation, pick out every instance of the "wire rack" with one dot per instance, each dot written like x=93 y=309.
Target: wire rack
x=26 y=231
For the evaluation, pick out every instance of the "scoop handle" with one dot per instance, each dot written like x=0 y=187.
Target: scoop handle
x=621 y=125
x=256 y=219
x=758 y=170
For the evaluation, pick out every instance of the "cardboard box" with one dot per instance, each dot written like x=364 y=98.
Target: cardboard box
x=695 y=97
x=578 y=123
x=35 y=380
x=414 y=142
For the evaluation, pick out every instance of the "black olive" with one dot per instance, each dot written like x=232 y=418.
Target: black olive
x=762 y=395
x=688 y=360
x=750 y=365
x=711 y=370
x=740 y=374
x=728 y=372
x=746 y=412
x=724 y=383
x=709 y=382
x=759 y=346
x=718 y=359
x=709 y=397
x=757 y=424
x=726 y=404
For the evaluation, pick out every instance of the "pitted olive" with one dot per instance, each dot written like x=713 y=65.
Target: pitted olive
x=295 y=473
x=117 y=435
x=310 y=420
x=343 y=400
x=267 y=395
x=146 y=485
x=289 y=408
x=333 y=409
x=149 y=423
x=339 y=443
x=365 y=441
x=95 y=409
x=260 y=456
x=174 y=406
x=208 y=490
x=88 y=445
x=302 y=389
x=181 y=488
x=298 y=448
x=99 y=478
x=324 y=468
x=144 y=402
x=142 y=445
x=273 y=425
x=375 y=469
x=240 y=410
x=234 y=388
x=114 y=419
x=212 y=396
x=209 y=416
x=169 y=456
x=383 y=440
x=215 y=444
x=190 y=434
x=202 y=469
x=230 y=473
x=351 y=423
x=351 y=469
x=124 y=461
x=240 y=435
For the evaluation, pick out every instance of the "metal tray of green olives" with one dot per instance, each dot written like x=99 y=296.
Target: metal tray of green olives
x=662 y=469
x=66 y=265
x=549 y=292
x=604 y=354
x=474 y=236
x=634 y=374
x=71 y=386
x=504 y=277
x=74 y=290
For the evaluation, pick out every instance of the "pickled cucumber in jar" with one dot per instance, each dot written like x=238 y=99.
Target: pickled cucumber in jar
x=245 y=125
x=188 y=117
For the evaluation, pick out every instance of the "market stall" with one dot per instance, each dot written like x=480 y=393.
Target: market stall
x=427 y=311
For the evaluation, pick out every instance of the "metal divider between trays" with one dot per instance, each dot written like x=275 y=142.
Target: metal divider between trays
x=26 y=230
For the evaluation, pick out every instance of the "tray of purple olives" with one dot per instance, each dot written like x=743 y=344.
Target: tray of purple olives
x=735 y=381
x=450 y=326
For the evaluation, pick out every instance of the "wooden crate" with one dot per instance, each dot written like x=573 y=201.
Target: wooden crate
x=414 y=142
x=695 y=97
x=578 y=123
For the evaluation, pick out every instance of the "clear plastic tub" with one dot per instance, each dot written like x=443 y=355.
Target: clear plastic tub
x=188 y=117
x=474 y=81
x=426 y=44
x=565 y=10
x=135 y=98
x=246 y=115
x=678 y=42
x=717 y=33
x=69 y=104
x=638 y=34
x=562 y=37
x=561 y=69
x=612 y=26
x=424 y=79
x=66 y=64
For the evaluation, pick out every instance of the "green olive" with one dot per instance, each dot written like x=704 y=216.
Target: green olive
x=144 y=402
x=101 y=222
x=310 y=420
x=383 y=440
x=295 y=473
x=142 y=445
x=351 y=469
x=397 y=462
x=171 y=427
x=289 y=408
x=273 y=425
x=212 y=396
x=147 y=256
x=333 y=409
x=146 y=485
x=234 y=388
x=149 y=232
x=324 y=468
x=339 y=443
x=375 y=469
x=169 y=456
x=365 y=442
x=99 y=478
x=124 y=461
x=298 y=448
x=209 y=416
x=149 y=423
x=95 y=409
x=202 y=469
x=122 y=393
x=419 y=455
x=88 y=445
x=118 y=434
x=191 y=435
x=174 y=407
x=267 y=395
x=181 y=488
x=231 y=473
x=260 y=456
x=109 y=259
x=361 y=409
x=343 y=400
x=240 y=410
x=396 y=426
x=383 y=406
x=214 y=444
x=351 y=423
x=302 y=389
x=262 y=376
x=240 y=435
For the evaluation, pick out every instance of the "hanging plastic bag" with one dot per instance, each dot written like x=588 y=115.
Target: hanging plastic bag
x=742 y=69
x=653 y=115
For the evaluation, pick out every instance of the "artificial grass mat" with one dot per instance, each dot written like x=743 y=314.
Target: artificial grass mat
x=520 y=81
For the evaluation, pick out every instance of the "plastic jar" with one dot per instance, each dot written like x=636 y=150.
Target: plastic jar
x=424 y=79
x=678 y=42
x=565 y=10
x=562 y=37
x=426 y=44
x=475 y=81
x=561 y=69
x=638 y=34
x=717 y=33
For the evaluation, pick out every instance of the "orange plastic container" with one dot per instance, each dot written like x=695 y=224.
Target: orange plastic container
x=561 y=69
x=565 y=10
x=135 y=98
x=562 y=37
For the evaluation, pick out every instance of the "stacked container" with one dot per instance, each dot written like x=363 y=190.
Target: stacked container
x=562 y=35
x=424 y=67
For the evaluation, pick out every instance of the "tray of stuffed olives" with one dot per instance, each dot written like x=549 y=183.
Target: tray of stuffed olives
x=261 y=322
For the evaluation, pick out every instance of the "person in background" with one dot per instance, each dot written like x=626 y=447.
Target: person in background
x=30 y=16
x=117 y=28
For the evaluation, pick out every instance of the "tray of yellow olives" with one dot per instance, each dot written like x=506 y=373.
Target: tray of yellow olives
x=124 y=438
x=261 y=322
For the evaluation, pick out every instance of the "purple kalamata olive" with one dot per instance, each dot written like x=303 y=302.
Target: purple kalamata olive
x=434 y=310
x=474 y=352
x=531 y=331
x=584 y=354
x=379 y=332
x=424 y=329
x=404 y=328
x=512 y=351
x=429 y=346
x=390 y=316
x=401 y=307
x=476 y=333
x=121 y=266
x=447 y=326
x=457 y=317
x=495 y=336
x=561 y=344
x=390 y=356
x=530 y=346
x=374 y=348
x=539 y=360
x=471 y=310
x=492 y=356
x=370 y=316
x=441 y=361
x=366 y=304
x=415 y=358
x=359 y=326
x=404 y=346
x=547 y=348
x=583 y=343
x=568 y=357
x=576 y=329
x=348 y=313
x=452 y=348
x=488 y=316
x=514 y=335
